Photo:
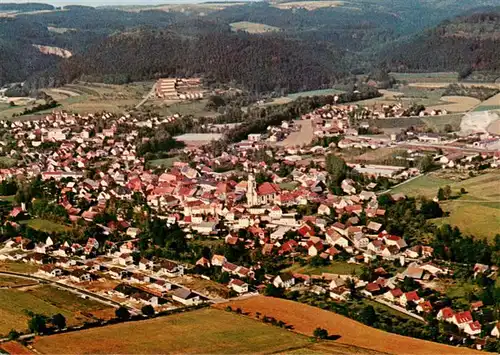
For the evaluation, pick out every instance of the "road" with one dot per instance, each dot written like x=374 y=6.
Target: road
x=445 y=147
x=147 y=97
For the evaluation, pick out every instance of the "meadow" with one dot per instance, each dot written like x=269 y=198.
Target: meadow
x=42 y=299
x=480 y=204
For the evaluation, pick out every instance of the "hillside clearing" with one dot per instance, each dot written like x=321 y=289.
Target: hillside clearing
x=309 y=5
x=305 y=319
x=206 y=331
x=253 y=27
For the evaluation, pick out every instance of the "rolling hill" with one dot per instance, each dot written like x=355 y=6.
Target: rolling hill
x=465 y=43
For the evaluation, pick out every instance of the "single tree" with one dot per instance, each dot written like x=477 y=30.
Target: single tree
x=59 y=321
x=13 y=334
x=368 y=315
x=320 y=333
x=37 y=323
x=122 y=313
x=148 y=310
x=441 y=195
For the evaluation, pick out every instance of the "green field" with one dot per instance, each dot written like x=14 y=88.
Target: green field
x=438 y=123
x=322 y=92
x=207 y=331
x=47 y=226
x=425 y=185
x=336 y=267
x=43 y=299
x=162 y=163
x=476 y=213
x=487 y=108
x=426 y=77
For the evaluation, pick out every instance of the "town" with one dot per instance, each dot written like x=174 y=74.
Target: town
x=287 y=212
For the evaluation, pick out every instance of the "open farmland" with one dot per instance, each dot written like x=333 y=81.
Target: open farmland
x=253 y=27
x=493 y=103
x=456 y=104
x=450 y=77
x=206 y=331
x=305 y=319
x=43 y=299
x=480 y=204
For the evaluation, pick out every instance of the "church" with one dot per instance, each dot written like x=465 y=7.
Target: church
x=263 y=194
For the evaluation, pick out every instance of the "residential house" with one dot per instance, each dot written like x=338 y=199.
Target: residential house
x=285 y=280
x=238 y=286
x=80 y=275
x=408 y=297
x=186 y=297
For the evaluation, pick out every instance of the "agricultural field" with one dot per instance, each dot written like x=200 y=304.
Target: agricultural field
x=20 y=267
x=162 y=163
x=480 y=204
x=450 y=77
x=47 y=226
x=322 y=92
x=195 y=108
x=85 y=98
x=305 y=319
x=42 y=299
x=207 y=331
x=253 y=27
x=456 y=104
x=493 y=103
x=11 y=281
x=336 y=267
x=438 y=123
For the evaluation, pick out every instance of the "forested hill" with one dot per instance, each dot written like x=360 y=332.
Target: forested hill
x=465 y=43
x=261 y=63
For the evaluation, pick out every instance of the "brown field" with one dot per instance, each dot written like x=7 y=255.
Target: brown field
x=309 y=5
x=13 y=347
x=253 y=27
x=305 y=319
x=299 y=138
x=456 y=104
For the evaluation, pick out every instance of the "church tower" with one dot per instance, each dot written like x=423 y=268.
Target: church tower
x=251 y=191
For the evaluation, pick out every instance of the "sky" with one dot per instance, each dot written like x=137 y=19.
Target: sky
x=105 y=2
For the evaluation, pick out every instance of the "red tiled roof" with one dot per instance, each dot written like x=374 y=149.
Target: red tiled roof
x=268 y=188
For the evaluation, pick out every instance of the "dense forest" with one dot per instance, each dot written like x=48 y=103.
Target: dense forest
x=257 y=63
x=312 y=49
x=466 y=43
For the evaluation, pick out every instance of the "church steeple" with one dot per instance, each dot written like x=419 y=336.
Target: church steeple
x=251 y=191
